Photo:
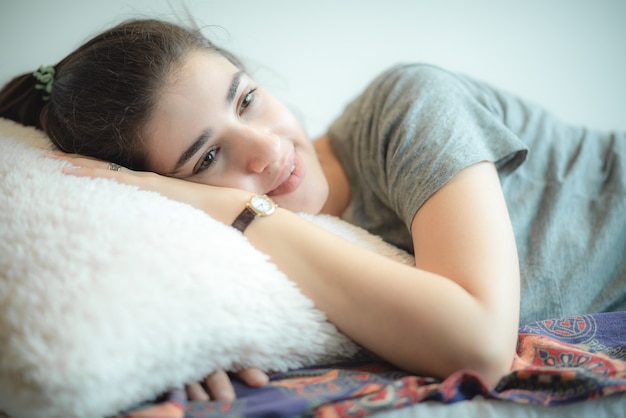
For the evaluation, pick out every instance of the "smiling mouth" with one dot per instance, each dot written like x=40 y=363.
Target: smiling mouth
x=295 y=177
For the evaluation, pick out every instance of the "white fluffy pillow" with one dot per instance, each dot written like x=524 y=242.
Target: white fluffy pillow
x=110 y=295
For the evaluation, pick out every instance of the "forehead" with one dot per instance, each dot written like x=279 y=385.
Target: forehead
x=194 y=101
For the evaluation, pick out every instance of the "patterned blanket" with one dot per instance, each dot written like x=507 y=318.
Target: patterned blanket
x=558 y=361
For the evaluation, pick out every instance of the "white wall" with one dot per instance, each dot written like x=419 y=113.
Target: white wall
x=568 y=55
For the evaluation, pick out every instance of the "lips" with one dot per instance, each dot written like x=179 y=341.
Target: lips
x=293 y=174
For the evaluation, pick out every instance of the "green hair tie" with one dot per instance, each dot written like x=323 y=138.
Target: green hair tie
x=45 y=77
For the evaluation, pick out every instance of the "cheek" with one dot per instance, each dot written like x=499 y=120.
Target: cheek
x=283 y=120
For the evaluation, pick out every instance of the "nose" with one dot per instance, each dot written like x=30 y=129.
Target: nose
x=258 y=148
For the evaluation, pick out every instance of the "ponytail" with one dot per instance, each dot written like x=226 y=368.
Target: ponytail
x=22 y=102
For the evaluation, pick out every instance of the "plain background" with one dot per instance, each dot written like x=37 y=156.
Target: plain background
x=567 y=55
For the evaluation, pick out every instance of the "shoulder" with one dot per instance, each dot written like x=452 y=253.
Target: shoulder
x=407 y=89
x=401 y=97
x=419 y=77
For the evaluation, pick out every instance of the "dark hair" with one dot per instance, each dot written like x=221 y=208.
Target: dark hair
x=106 y=90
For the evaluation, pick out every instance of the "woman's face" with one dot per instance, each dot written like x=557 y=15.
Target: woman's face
x=215 y=125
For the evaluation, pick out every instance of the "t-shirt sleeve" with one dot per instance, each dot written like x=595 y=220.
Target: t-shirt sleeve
x=413 y=129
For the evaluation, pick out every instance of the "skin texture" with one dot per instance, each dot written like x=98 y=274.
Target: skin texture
x=423 y=318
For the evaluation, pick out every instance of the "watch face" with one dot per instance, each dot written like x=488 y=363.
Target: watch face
x=263 y=205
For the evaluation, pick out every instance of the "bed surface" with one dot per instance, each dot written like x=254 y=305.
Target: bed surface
x=573 y=365
x=613 y=406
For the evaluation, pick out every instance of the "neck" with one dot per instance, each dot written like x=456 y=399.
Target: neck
x=338 y=184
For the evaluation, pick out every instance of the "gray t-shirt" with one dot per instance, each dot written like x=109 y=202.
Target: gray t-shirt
x=418 y=125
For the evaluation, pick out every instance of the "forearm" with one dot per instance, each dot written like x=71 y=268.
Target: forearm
x=418 y=320
x=421 y=321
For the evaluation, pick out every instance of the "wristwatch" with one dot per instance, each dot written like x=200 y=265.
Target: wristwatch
x=258 y=205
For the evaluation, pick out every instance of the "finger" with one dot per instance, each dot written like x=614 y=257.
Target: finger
x=220 y=386
x=196 y=392
x=87 y=162
x=253 y=377
x=93 y=172
x=114 y=166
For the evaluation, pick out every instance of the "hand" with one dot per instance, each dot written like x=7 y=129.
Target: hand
x=220 y=388
x=219 y=202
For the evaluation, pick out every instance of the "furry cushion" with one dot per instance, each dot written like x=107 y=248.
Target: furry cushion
x=110 y=295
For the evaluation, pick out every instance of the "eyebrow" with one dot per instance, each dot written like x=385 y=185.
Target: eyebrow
x=207 y=133
x=234 y=85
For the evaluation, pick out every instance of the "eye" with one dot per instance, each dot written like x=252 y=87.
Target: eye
x=248 y=99
x=207 y=161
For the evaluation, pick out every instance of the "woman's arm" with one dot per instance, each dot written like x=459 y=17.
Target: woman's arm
x=457 y=309
x=463 y=233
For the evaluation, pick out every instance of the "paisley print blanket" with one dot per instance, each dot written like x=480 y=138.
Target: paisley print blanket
x=558 y=361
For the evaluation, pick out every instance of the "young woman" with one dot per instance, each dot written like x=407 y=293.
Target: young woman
x=492 y=195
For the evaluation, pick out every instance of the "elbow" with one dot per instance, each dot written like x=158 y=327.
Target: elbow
x=492 y=343
x=491 y=357
x=488 y=354
x=492 y=368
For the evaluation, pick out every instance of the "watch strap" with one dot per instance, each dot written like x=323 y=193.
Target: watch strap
x=244 y=219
